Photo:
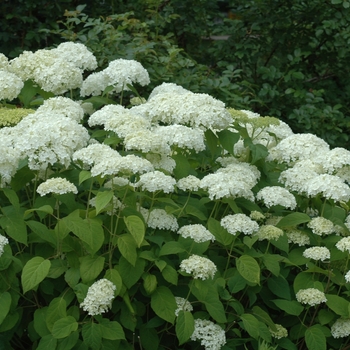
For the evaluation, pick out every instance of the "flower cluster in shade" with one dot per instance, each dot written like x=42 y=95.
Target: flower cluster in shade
x=310 y=296
x=3 y=242
x=281 y=332
x=341 y=328
x=211 y=335
x=199 y=267
x=99 y=297
x=56 y=185
x=182 y=305
x=197 y=232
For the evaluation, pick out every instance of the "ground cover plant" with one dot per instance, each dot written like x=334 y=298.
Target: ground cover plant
x=166 y=221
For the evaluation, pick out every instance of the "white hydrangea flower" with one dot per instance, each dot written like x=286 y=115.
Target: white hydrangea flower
x=156 y=181
x=199 y=267
x=116 y=182
x=280 y=333
x=311 y=296
x=344 y=173
x=333 y=160
x=341 y=328
x=329 y=186
x=239 y=223
x=297 y=147
x=189 y=183
x=344 y=244
x=94 y=84
x=167 y=88
x=269 y=232
x=56 y=185
x=347 y=277
x=197 y=232
x=159 y=219
x=11 y=85
x=317 y=253
x=275 y=195
x=321 y=226
x=297 y=237
x=181 y=136
x=99 y=297
x=257 y=215
x=211 y=335
x=78 y=54
x=4 y=62
x=161 y=162
x=182 y=305
x=3 y=242
x=62 y=105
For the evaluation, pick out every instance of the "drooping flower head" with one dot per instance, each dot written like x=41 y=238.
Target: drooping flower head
x=344 y=244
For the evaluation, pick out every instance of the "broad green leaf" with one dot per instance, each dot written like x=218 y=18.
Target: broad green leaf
x=34 y=271
x=183 y=167
x=272 y=263
x=64 y=326
x=92 y=335
x=325 y=316
x=221 y=235
x=128 y=248
x=212 y=143
x=228 y=139
x=136 y=227
x=150 y=283
x=5 y=303
x=12 y=197
x=236 y=283
x=40 y=321
x=47 y=342
x=263 y=316
x=114 y=276
x=338 y=304
x=194 y=211
x=55 y=311
x=42 y=231
x=315 y=338
x=149 y=338
x=248 y=268
x=44 y=209
x=184 y=326
x=251 y=325
x=69 y=342
x=58 y=268
x=90 y=267
x=14 y=225
x=163 y=303
x=258 y=152
x=293 y=219
x=279 y=286
x=102 y=199
x=131 y=274
x=171 y=247
x=111 y=330
x=170 y=275
x=84 y=175
x=291 y=307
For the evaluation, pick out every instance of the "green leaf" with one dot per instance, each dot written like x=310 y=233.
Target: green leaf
x=251 y=325
x=228 y=139
x=163 y=303
x=114 y=276
x=184 y=326
x=150 y=283
x=34 y=271
x=14 y=225
x=248 y=268
x=149 y=338
x=42 y=231
x=171 y=247
x=12 y=197
x=55 y=311
x=84 y=175
x=136 y=227
x=5 y=303
x=40 y=321
x=272 y=263
x=293 y=219
x=111 y=330
x=69 y=342
x=291 y=307
x=221 y=235
x=131 y=274
x=44 y=209
x=128 y=248
x=170 y=275
x=47 y=342
x=92 y=335
x=90 y=267
x=64 y=326
x=264 y=317
x=315 y=338
x=338 y=304
x=279 y=286
x=102 y=200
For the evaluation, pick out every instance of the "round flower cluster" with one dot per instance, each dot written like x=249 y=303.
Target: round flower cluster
x=11 y=85
x=269 y=232
x=99 y=297
x=344 y=244
x=334 y=159
x=239 y=223
x=317 y=253
x=156 y=181
x=188 y=183
x=211 y=335
x=341 y=328
x=197 y=232
x=257 y=215
x=311 y=296
x=182 y=305
x=3 y=242
x=321 y=226
x=347 y=277
x=168 y=88
x=4 y=62
x=161 y=162
x=199 y=267
x=56 y=185
x=281 y=332
x=159 y=218
x=276 y=195
x=297 y=237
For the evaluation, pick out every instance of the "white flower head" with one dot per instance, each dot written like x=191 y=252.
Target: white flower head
x=280 y=333
x=297 y=237
x=11 y=85
x=199 y=267
x=3 y=242
x=211 y=335
x=275 y=195
x=321 y=226
x=344 y=244
x=156 y=181
x=317 y=253
x=159 y=219
x=311 y=296
x=182 y=305
x=197 y=232
x=189 y=183
x=347 y=277
x=99 y=297
x=341 y=328
x=161 y=162
x=239 y=223
x=269 y=232
x=56 y=185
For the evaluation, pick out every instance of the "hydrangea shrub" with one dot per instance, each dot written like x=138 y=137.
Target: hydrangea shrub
x=175 y=222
